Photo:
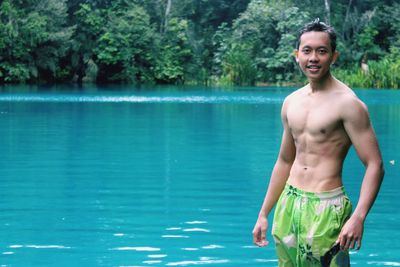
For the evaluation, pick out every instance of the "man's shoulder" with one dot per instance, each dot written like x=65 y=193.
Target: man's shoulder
x=342 y=89
x=289 y=98
x=296 y=93
x=345 y=96
x=349 y=103
x=348 y=96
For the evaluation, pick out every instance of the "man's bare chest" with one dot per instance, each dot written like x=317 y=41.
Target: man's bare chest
x=313 y=118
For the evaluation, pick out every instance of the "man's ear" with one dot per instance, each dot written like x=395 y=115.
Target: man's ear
x=296 y=54
x=335 y=56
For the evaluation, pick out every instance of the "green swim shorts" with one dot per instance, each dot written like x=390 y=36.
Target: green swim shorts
x=306 y=227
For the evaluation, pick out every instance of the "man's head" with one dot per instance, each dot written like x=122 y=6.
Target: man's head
x=318 y=26
x=316 y=50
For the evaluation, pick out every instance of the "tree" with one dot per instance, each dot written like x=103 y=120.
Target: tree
x=124 y=51
x=175 y=53
x=177 y=41
x=34 y=39
x=268 y=32
x=88 y=27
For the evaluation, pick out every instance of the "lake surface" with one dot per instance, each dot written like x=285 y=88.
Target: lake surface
x=161 y=176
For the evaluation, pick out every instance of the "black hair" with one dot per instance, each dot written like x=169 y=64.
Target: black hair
x=318 y=26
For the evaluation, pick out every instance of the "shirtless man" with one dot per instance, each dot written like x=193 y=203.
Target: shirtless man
x=313 y=224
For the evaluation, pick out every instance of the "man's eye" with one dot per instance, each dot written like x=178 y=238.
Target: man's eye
x=322 y=51
x=306 y=51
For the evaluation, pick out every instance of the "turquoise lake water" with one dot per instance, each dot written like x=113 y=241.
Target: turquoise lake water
x=161 y=177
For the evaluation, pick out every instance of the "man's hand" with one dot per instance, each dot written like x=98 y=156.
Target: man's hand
x=351 y=234
x=259 y=232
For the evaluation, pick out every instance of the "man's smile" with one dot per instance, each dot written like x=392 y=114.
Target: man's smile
x=315 y=67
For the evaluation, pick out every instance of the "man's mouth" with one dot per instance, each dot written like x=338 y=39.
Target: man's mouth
x=313 y=67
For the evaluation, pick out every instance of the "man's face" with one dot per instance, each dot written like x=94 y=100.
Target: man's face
x=315 y=55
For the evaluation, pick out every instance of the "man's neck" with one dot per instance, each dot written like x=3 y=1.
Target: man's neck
x=322 y=84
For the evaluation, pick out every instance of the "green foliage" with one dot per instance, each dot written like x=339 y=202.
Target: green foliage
x=226 y=41
x=265 y=35
x=13 y=73
x=238 y=66
x=391 y=20
x=384 y=73
x=124 y=49
x=32 y=40
x=175 y=52
x=89 y=25
x=221 y=46
x=204 y=18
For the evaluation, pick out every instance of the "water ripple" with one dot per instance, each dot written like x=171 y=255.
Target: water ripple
x=40 y=246
x=137 y=248
x=212 y=247
x=385 y=263
x=175 y=236
x=152 y=262
x=201 y=261
x=196 y=222
x=157 y=256
x=196 y=230
x=141 y=98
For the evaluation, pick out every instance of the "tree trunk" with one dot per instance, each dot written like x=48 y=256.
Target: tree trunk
x=167 y=12
x=328 y=12
x=346 y=18
x=81 y=70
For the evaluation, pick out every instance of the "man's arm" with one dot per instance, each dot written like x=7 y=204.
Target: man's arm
x=358 y=127
x=277 y=182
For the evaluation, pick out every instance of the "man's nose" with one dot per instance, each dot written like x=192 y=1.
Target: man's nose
x=314 y=57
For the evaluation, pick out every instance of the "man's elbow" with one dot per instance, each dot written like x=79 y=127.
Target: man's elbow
x=286 y=159
x=377 y=167
x=380 y=169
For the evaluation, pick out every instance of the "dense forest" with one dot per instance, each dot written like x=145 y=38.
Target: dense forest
x=240 y=42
